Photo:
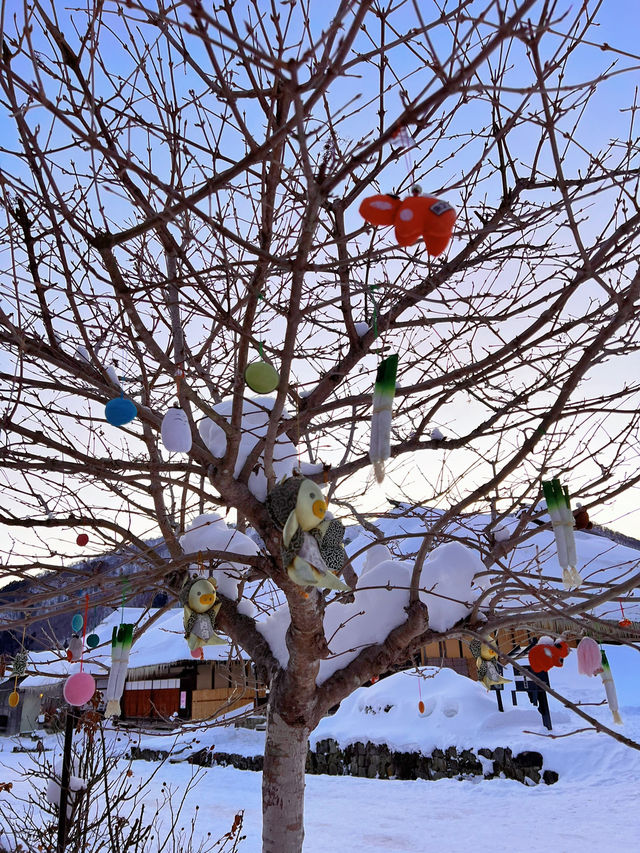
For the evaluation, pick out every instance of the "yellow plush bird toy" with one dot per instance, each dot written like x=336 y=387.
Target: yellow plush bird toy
x=488 y=672
x=198 y=597
x=297 y=507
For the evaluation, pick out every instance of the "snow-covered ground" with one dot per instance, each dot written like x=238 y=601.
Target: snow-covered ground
x=594 y=806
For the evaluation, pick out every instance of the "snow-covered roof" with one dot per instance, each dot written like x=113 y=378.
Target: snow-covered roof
x=161 y=643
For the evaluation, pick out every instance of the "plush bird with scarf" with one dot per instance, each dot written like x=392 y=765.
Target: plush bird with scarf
x=297 y=508
x=198 y=598
x=485 y=657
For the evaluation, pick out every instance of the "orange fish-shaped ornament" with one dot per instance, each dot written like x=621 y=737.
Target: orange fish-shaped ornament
x=417 y=216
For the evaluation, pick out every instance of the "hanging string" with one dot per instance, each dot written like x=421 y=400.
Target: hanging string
x=374 y=317
x=407 y=142
x=21 y=652
x=257 y=315
x=84 y=629
x=420 y=702
x=178 y=376
x=125 y=583
x=299 y=437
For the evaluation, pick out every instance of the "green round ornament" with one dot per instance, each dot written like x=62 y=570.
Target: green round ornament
x=93 y=640
x=261 y=377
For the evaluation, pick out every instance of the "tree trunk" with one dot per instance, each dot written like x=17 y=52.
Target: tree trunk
x=285 y=756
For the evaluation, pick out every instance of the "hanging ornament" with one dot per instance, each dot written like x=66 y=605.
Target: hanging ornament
x=120 y=411
x=417 y=216
x=547 y=654
x=121 y=642
x=589 y=657
x=93 y=639
x=624 y=622
x=82 y=540
x=485 y=658
x=175 y=431
x=260 y=376
x=18 y=669
x=581 y=518
x=383 y=394
x=75 y=650
x=559 y=508
x=198 y=598
x=80 y=686
x=610 y=689
x=296 y=507
x=77 y=622
x=420 y=702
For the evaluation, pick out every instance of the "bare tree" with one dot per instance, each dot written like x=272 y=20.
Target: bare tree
x=180 y=185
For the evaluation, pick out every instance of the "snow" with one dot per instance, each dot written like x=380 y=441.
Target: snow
x=255 y=422
x=208 y=532
x=601 y=561
x=361 y=329
x=380 y=600
x=448 y=573
x=592 y=808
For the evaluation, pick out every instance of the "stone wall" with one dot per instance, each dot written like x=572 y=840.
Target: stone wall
x=377 y=761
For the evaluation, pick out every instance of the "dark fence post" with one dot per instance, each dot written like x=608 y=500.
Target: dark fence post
x=64 y=780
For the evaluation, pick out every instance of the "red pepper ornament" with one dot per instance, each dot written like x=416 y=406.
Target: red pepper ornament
x=547 y=654
x=417 y=216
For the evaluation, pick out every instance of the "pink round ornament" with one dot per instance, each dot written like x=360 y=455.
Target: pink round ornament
x=197 y=653
x=79 y=688
x=589 y=657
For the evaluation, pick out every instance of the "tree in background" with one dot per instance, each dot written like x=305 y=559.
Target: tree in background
x=180 y=189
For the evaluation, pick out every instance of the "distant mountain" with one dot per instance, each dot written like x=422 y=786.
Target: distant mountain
x=55 y=630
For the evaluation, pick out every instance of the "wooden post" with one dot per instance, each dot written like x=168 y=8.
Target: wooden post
x=64 y=781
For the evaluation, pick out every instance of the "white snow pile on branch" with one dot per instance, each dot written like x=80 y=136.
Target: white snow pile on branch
x=380 y=600
x=208 y=532
x=255 y=422
x=54 y=789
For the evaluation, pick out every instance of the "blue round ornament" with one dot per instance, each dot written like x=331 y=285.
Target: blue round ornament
x=77 y=622
x=120 y=411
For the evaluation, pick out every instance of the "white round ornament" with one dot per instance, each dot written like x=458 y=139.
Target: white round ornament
x=175 y=431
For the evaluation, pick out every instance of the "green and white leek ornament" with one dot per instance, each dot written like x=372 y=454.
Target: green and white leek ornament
x=383 y=394
x=559 y=508
x=121 y=642
x=610 y=689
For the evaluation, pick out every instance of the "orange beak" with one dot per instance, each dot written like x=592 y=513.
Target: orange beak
x=319 y=508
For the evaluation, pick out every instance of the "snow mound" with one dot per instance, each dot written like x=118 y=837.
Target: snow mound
x=456 y=710
x=255 y=422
